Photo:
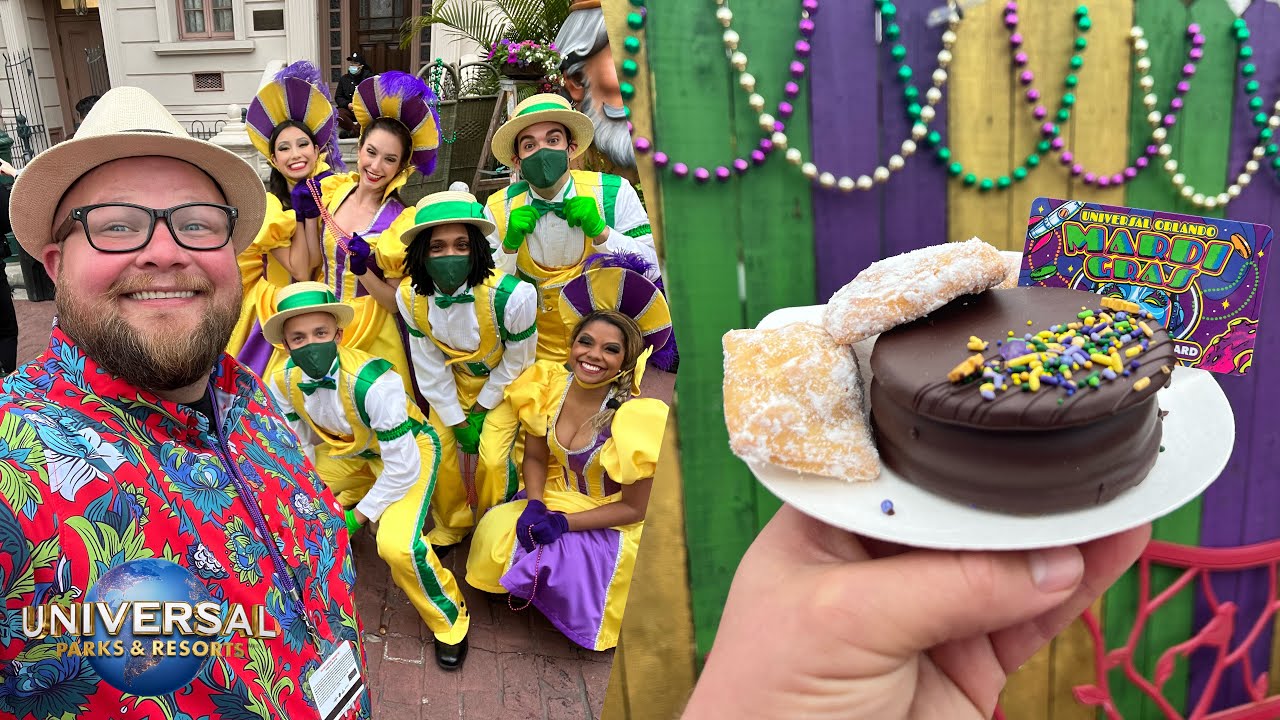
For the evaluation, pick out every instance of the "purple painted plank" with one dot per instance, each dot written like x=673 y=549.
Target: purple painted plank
x=1243 y=506
x=915 y=201
x=844 y=100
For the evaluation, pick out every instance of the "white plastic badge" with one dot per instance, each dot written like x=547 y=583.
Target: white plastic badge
x=337 y=684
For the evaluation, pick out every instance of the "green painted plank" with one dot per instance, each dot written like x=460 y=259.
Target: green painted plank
x=1200 y=140
x=693 y=116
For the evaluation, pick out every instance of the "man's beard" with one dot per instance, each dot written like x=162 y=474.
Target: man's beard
x=612 y=138
x=159 y=361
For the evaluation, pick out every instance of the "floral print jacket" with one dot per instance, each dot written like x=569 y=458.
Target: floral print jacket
x=95 y=472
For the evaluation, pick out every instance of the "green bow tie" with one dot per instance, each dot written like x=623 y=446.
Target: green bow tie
x=543 y=207
x=444 y=301
x=308 y=387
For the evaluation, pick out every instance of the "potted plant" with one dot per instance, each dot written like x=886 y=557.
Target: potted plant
x=527 y=60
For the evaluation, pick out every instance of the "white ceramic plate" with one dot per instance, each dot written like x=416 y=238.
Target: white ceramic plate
x=1199 y=432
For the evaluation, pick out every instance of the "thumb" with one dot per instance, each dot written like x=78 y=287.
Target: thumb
x=926 y=598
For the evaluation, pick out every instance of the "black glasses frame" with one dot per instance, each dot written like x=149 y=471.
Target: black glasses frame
x=79 y=214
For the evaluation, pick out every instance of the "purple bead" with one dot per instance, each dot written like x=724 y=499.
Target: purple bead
x=802 y=48
x=1102 y=182
x=1169 y=120
x=1033 y=95
x=1011 y=7
x=1117 y=179
x=1014 y=348
x=680 y=169
x=1090 y=178
x=810 y=6
x=1077 y=169
x=1026 y=76
x=1130 y=172
x=779 y=126
x=630 y=128
x=1195 y=54
x=1057 y=143
x=757 y=157
x=806 y=27
x=1193 y=29
x=1152 y=150
x=1021 y=59
x=1011 y=20
x=642 y=144
x=1188 y=70
x=1183 y=87
x=1015 y=39
x=791 y=89
x=766 y=144
x=1040 y=112
x=1197 y=40
x=701 y=174
x=660 y=159
x=1067 y=157
x=722 y=173
x=741 y=165
x=1175 y=104
x=785 y=109
x=1141 y=161
x=797 y=68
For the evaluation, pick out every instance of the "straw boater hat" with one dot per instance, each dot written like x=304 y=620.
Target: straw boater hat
x=544 y=107
x=128 y=122
x=446 y=208
x=301 y=298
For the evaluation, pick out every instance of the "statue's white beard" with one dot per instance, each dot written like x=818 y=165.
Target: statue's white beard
x=612 y=138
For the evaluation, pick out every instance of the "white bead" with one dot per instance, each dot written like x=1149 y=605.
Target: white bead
x=1274 y=121
x=1234 y=191
x=1140 y=45
x=827 y=180
x=1179 y=180
x=919 y=130
x=880 y=174
x=1166 y=150
x=1149 y=100
x=739 y=61
x=747 y=81
x=939 y=77
x=724 y=15
x=933 y=95
x=948 y=39
x=1147 y=82
x=1277 y=106
x=1144 y=64
x=809 y=170
x=1154 y=117
x=896 y=162
x=1211 y=202
x=756 y=101
x=1135 y=32
x=908 y=147
x=1159 y=134
x=944 y=57
x=1244 y=179
x=864 y=182
x=766 y=122
x=927 y=113
x=1197 y=199
x=1251 y=167
x=1259 y=151
x=731 y=39
x=1224 y=198
x=779 y=139
x=845 y=183
x=1187 y=191
x=793 y=156
x=1171 y=165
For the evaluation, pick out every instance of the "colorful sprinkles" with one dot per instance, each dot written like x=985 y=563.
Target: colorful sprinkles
x=1096 y=347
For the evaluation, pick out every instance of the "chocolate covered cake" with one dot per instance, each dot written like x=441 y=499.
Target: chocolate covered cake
x=1026 y=400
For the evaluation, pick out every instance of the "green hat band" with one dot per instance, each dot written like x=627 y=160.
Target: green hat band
x=539 y=107
x=306 y=299
x=450 y=210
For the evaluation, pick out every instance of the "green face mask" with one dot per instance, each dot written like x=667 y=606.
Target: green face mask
x=449 y=272
x=543 y=168
x=315 y=359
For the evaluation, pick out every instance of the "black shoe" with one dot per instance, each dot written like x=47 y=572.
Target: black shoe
x=450 y=657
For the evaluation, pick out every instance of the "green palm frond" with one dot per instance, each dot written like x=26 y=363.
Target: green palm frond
x=485 y=22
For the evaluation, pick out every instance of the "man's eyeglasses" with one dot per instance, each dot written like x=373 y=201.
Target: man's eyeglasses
x=123 y=227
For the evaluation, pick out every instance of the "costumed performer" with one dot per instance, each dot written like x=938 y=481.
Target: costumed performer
x=570 y=548
x=472 y=330
x=400 y=132
x=292 y=123
x=371 y=447
x=550 y=222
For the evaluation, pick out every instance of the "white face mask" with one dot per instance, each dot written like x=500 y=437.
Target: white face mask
x=353 y=69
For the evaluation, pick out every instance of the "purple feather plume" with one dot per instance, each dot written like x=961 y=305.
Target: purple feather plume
x=306 y=71
x=666 y=358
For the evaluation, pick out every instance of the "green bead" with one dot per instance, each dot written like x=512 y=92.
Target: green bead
x=933 y=138
x=1081 y=43
x=943 y=153
x=1248 y=69
x=913 y=111
x=1238 y=24
x=904 y=72
x=970 y=179
x=898 y=52
x=635 y=20
x=1272 y=149
x=892 y=31
x=1071 y=81
x=627 y=90
x=1255 y=103
x=1246 y=52
x=1003 y=182
x=1043 y=146
x=1260 y=119
x=1033 y=160
x=1063 y=115
x=1265 y=134
x=954 y=169
x=632 y=44
x=888 y=10
x=1084 y=23
x=910 y=92
x=630 y=67
x=1068 y=99
x=986 y=184
x=1275 y=163
x=1076 y=62
x=1019 y=174
x=1251 y=87
x=1242 y=34
x=1082 y=11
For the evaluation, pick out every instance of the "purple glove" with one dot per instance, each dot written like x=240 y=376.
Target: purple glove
x=358 y=252
x=533 y=512
x=550 y=528
x=304 y=204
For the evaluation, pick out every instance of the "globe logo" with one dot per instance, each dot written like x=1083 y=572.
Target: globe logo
x=146 y=674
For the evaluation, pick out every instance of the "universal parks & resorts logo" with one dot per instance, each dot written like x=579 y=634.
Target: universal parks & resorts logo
x=148 y=626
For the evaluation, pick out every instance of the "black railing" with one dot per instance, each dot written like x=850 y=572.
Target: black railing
x=21 y=114
x=202 y=130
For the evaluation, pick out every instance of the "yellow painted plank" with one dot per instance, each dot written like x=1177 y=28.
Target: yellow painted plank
x=980 y=105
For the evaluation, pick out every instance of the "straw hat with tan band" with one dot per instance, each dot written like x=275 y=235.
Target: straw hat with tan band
x=544 y=107
x=446 y=208
x=302 y=298
x=128 y=122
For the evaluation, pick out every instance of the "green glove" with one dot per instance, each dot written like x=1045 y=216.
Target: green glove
x=519 y=224
x=583 y=212
x=468 y=438
x=353 y=524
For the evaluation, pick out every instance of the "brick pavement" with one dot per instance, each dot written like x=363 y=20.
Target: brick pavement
x=519 y=666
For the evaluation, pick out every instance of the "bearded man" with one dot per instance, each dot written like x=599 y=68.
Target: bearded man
x=592 y=81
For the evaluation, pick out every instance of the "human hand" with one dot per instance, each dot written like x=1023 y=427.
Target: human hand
x=583 y=212
x=520 y=223
x=358 y=253
x=534 y=511
x=304 y=203
x=856 y=628
x=355 y=520
x=550 y=528
x=468 y=438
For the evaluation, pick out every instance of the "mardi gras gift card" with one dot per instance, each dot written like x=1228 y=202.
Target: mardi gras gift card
x=1201 y=277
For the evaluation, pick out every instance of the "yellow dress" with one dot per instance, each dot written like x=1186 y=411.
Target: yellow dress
x=583 y=578
x=261 y=275
x=374 y=330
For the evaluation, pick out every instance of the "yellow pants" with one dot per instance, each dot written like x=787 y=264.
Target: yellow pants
x=496 y=478
x=431 y=588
